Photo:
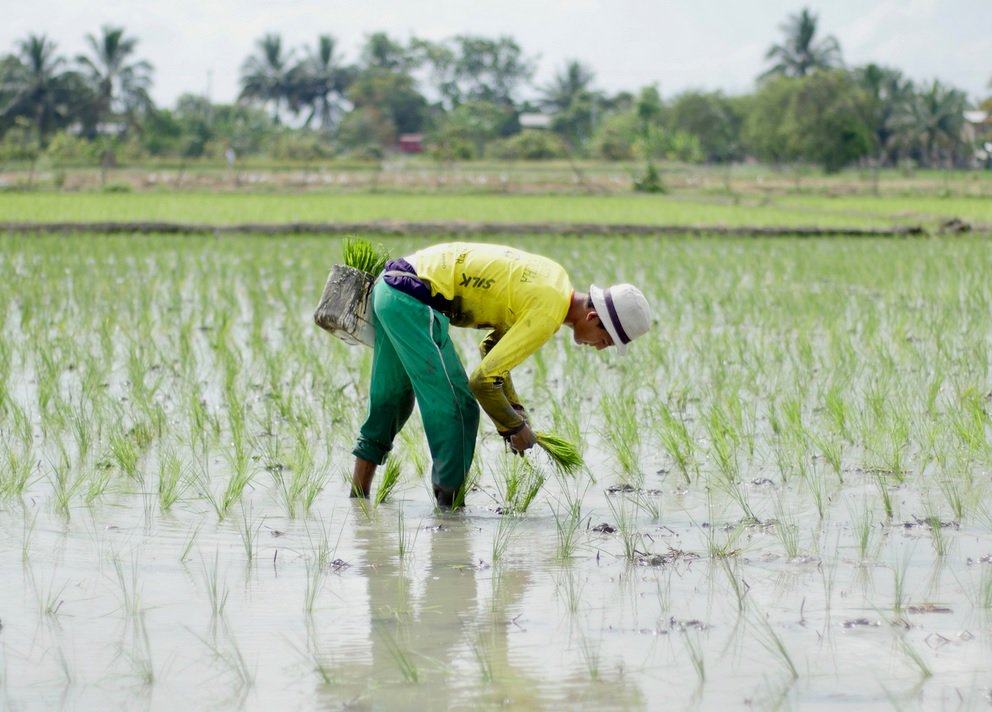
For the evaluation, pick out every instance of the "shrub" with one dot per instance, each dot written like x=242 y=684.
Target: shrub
x=66 y=149
x=530 y=145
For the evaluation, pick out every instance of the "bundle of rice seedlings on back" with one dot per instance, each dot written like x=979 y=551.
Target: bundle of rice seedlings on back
x=360 y=254
x=564 y=455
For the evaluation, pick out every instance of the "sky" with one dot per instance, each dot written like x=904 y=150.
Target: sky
x=198 y=46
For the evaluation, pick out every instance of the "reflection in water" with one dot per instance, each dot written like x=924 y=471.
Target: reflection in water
x=447 y=631
x=430 y=646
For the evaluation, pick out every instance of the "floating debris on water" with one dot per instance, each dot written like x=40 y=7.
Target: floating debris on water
x=861 y=623
x=929 y=608
x=624 y=489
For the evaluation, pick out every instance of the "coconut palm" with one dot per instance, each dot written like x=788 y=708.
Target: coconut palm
x=890 y=93
x=35 y=87
x=319 y=81
x=567 y=86
x=382 y=52
x=121 y=85
x=802 y=53
x=266 y=77
x=569 y=97
x=931 y=123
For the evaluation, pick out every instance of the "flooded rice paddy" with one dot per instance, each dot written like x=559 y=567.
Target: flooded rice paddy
x=785 y=502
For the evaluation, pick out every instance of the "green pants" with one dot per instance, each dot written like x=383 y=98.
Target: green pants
x=414 y=357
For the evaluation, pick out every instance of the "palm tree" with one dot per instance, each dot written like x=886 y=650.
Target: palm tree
x=319 y=81
x=931 y=122
x=382 y=52
x=121 y=85
x=567 y=86
x=35 y=87
x=266 y=76
x=890 y=93
x=801 y=53
x=573 y=102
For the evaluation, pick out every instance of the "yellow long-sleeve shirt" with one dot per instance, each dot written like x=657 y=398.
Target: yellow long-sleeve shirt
x=521 y=297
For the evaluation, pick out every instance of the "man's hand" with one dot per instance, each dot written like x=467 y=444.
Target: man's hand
x=522 y=440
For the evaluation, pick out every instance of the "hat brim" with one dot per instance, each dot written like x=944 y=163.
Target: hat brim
x=603 y=312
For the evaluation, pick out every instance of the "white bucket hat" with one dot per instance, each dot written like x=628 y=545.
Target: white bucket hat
x=624 y=312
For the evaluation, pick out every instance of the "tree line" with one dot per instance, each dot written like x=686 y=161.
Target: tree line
x=466 y=96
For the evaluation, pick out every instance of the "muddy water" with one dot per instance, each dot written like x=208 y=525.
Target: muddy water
x=115 y=604
x=113 y=607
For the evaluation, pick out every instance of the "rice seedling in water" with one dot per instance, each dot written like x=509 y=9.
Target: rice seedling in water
x=723 y=443
x=171 y=482
x=323 y=550
x=958 y=496
x=883 y=491
x=650 y=504
x=816 y=484
x=240 y=477
x=625 y=514
x=773 y=643
x=130 y=587
x=188 y=544
x=983 y=591
x=98 y=483
x=622 y=435
x=49 y=599
x=234 y=661
x=400 y=655
x=899 y=570
x=505 y=526
x=315 y=575
x=65 y=486
x=15 y=477
x=26 y=533
x=786 y=531
x=695 y=652
x=139 y=653
x=738 y=585
x=862 y=519
x=676 y=441
x=390 y=477
x=519 y=483
x=217 y=591
x=405 y=541
x=915 y=658
x=482 y=650
x=970 y=421
x=125 y=453
x=591 y=655
x=315 y=659
x=248 y=531
x=568 y=522
x=569 y=589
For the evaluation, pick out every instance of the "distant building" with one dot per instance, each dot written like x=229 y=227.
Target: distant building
x=978 y=130
x=411 y=143
x=976 y=124
x=535 y=121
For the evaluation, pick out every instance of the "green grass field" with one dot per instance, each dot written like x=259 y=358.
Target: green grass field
x=678 y=209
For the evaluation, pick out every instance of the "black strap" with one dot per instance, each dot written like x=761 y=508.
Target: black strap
x=614 y=317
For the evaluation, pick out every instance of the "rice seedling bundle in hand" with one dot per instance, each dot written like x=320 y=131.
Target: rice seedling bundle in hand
x=564 y=455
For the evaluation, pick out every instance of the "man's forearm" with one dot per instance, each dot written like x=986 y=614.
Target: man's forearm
x=493 y=400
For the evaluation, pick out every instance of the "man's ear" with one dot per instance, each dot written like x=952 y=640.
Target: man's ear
x=591 y=314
